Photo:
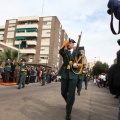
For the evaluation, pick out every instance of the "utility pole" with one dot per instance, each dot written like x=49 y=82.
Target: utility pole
x=19 y=50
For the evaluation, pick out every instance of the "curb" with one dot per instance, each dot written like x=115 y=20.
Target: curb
x=8 y=84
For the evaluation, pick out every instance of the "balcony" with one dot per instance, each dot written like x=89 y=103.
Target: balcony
x=10 y=36
x=29 y=18
x=32 y=42
x=1 y=32
x=2 y=27
x=12 y=21
x=45 y=35
x=26 y=30
x=47 y=19
x=46 y=27
x=17 y=42
x=26 y=34
x=11 y=29
x=28 y=26
x=28 y=51
x=1 y=38
x=1 y=49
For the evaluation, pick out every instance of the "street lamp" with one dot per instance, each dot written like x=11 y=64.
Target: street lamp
x=19 y=50
x=47 y=61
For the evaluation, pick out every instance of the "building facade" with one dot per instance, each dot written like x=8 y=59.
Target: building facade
x=40 y=38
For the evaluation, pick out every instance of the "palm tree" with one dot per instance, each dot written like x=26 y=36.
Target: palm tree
x=11 y=54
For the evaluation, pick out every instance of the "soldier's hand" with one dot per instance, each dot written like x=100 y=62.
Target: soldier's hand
x=75 y=65
x=65 y=44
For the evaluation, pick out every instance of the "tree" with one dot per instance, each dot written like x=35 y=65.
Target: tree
x=10 y=54
x=99 y=68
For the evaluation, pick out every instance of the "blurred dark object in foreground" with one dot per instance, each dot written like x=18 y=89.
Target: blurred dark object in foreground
x=118 y=41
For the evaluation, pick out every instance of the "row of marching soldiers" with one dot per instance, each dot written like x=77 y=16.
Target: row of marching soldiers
x=22 y=74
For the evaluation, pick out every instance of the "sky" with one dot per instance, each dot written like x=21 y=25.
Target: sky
x=75 y=16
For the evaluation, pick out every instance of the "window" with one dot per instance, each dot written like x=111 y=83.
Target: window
x=46 y=23
x=45 y=41
x=58 y=47
x=59 y=40
x=9 y=41
x=1 y=30
x=43 y=57
x=31 y=56
x=11 y=25
x=44 y=50
x=46 y=31
x=10 y=33
x=1 y=35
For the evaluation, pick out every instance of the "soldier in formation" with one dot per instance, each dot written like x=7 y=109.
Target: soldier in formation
x=69 y=76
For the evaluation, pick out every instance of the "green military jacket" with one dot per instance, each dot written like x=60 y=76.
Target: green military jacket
x=22 y=68
x=81 y=76
x=8 y=66
x=64 y=72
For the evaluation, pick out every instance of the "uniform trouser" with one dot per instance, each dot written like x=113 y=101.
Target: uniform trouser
x=48 y=79
x=43 y=81
x=32 y=79
x=79 y=85
x=27 y=80
x=7 y=76
x=3 y=76
x=11 y=79
x=119 y=109
x=68 y=92
x=86 y=82
x=22 y=79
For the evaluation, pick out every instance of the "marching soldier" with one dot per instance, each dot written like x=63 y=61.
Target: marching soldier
x=43 y=76
x=86 y=77
x=22 y=74
x=68 y=75
x=80 y=77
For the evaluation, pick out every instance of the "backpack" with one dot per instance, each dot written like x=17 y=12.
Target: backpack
x=114 y=8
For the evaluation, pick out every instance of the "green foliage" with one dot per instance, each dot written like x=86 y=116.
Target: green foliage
x=99 y=68
x=10 y=54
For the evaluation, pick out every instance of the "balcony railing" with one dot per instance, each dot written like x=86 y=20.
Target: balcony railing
x=28 y=42
x=27 y=26
x=1 y=32
x=31 y=42
x=27 y=34
x=28 y=51
x=29 y=18
x=1 y=38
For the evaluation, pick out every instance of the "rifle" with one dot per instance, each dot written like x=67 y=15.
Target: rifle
x=77 y=48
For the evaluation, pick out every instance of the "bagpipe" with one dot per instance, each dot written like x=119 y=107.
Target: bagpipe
x=77 y=64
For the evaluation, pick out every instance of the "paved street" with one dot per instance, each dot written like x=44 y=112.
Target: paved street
x=36 y=102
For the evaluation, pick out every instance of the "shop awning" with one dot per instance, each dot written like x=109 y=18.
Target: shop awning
x=20 y=38
x=24 y=37
x=26 y=29
x=20 y=30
